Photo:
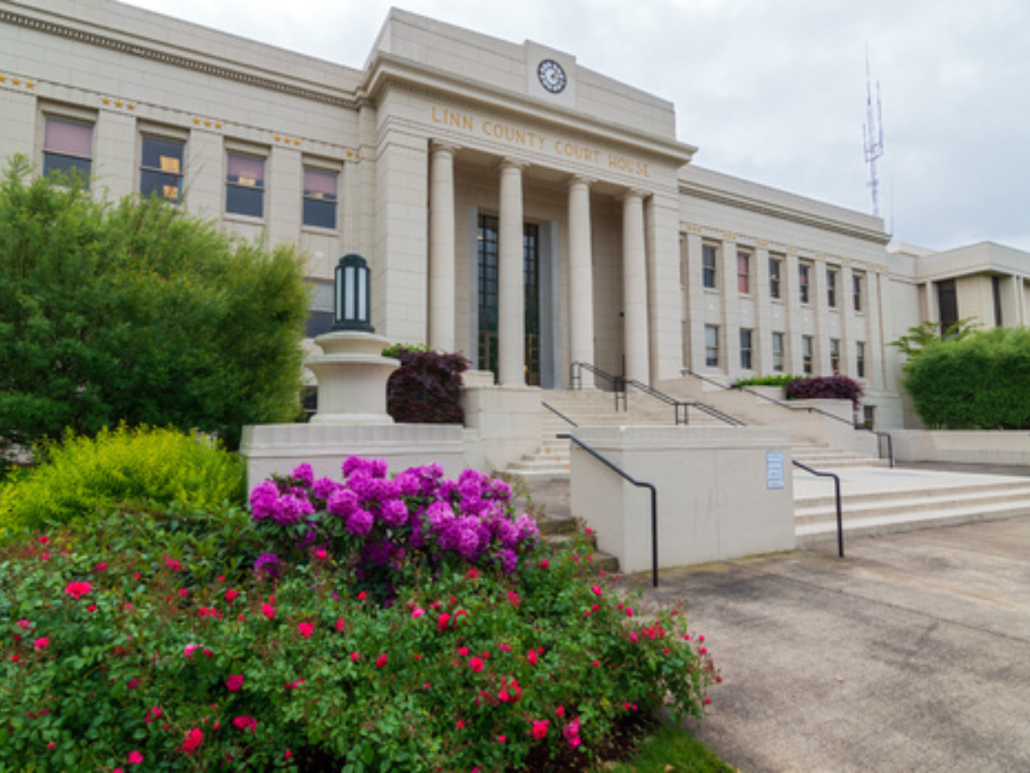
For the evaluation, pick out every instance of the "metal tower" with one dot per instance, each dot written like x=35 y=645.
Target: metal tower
x=872 y=135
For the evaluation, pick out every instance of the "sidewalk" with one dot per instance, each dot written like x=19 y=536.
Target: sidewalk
x=911 y=654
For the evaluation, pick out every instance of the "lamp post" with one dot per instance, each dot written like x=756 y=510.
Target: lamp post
x=352 y=373
x=352 y=309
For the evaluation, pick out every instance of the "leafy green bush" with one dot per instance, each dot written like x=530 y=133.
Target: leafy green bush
x=82 y=476
x=773 y=380
x=123 y=651
x=426 y=389
x=979 y=382
x=826 y=388
x=138 y=311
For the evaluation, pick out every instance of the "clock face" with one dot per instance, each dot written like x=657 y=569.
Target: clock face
x=552 y=76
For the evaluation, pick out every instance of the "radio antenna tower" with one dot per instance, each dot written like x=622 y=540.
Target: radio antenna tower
x=872 y=135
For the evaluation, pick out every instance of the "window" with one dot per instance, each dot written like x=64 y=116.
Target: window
x=947 y=303
x=320 y=198
x=860 y=359
x=831 y=288
x=68 y=148
x=245 y=185
x=161 y=168
x=806 y=355
x=745 y=349
x=869 y=416
x=709 y=256
x=857 y=280
x=712 y=346
x=804 y=272
x=996 y=291
x=835 y=355
x=743 y=273
x=775 y=269
x=777 y=352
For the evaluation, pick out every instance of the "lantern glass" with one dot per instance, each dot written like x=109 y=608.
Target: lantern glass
x=352 y=295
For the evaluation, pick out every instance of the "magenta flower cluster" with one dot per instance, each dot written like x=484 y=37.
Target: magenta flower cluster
x=386 y=520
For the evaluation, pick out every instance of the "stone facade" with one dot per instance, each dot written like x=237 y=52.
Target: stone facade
x=466 y=169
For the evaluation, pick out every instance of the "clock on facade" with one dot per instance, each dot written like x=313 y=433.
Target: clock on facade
x=552 y=76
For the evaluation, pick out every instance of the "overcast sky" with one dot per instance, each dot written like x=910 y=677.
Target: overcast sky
x=773 y=92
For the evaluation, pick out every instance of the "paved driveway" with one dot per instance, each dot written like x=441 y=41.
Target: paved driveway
x=911 y=654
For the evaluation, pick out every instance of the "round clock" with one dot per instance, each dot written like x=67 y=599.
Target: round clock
x=552 y=76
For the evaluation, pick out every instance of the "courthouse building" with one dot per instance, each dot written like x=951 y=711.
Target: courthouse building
x=511 y=204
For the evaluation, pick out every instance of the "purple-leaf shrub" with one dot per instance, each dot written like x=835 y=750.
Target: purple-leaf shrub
x=426 y=389
x=825 y=387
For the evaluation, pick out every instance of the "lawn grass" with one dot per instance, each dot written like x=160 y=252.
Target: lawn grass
x=670 y=749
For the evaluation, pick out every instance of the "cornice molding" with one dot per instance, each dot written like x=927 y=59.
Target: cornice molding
x=175 y=60
x=783 y=213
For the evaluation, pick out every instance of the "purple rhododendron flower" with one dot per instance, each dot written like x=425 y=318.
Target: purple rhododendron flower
x=304 y=475
x=509 y=561
x=268 y=563
x=323 y=488
x=264 y=500
x=342 y=503
x=507 y=532
x=291 y=509
x=500 y=490
x=528 y=530
x=394 y=513
x=440 y=515
x=360 y=522
x=408 y=484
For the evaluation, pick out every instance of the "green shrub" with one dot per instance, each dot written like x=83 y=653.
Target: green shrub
x=82 y=476
x=123 y=650
x=772 y=380
x=979 y=382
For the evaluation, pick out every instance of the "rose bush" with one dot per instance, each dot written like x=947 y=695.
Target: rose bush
x=160 y=645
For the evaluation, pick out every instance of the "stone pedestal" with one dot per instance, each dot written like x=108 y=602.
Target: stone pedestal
x=352 y=376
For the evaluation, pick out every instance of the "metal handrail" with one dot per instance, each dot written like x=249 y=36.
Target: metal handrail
x=680 y=407
x=879 y=433
x=639 y=484
x=618 y=383
x=558 y=413
x=836 y=487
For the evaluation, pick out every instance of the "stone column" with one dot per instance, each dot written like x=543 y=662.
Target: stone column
x=441 y=247
x=511 y=337
x=581 y=278
x=634 y=287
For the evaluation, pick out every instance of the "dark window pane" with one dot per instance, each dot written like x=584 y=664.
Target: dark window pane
x=74 y=168
x=246 y=170
x=244 y=201
x=165 y=186
x=319 y=322
x=163 y=155
x=320 y=213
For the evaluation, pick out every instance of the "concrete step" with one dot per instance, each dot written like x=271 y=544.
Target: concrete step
x=916 y=494
x=853 y=510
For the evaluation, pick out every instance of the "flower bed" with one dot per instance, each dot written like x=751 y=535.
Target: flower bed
x=445 y=637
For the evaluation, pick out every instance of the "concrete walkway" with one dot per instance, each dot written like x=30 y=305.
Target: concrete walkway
x=911 y=654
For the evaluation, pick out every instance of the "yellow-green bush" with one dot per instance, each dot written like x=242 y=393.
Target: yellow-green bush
x=81 y=477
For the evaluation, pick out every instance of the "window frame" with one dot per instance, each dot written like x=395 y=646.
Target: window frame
x=255 y=154
x=807 y=354
x=306 y=197
x=775 y=278
x=860 y=359
x=835 y=356
x=779 y=355
x=804 y=282
x=857 y=282
x=710 y=273
x=743 y=277
x=747 y=351
x=832 y=275
x=90 y=123
x=180 y=176
x=712 y=346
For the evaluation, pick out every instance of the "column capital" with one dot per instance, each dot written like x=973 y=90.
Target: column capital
x=580 y=179
x=437 y=146
x=633 y=193
x=512 y=163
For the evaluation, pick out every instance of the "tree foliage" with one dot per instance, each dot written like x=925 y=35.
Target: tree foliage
x=136 y=311
x=977 y=382
x=927 y=334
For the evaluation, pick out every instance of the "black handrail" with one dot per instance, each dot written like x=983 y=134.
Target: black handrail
x=558 y=413
x=639 y=484
x=879 y=434
x=680 y=407
x=618 y=383
x=836 y=487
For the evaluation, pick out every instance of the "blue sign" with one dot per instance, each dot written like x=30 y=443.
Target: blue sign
x=774 y=469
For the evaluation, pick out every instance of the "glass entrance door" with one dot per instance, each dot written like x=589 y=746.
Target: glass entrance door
x=487 y=286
